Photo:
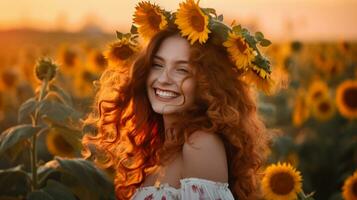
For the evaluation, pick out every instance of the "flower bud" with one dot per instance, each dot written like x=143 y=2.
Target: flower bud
x=45 y=69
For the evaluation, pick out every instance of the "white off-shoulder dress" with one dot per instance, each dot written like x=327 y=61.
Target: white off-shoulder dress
x=191 y=189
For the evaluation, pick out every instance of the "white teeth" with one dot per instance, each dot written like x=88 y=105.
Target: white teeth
x=165 y=93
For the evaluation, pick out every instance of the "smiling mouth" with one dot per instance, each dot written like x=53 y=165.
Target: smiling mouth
x=165 y=94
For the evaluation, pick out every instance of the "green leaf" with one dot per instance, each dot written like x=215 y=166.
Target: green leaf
x=220 y=17
x=14 y=181
x=26 y=109
x=58 y=112
x=62 y=93
x=237 y=29
x=133 y=30
x=259 y=36
x=85 y=180
x=58 y=191
x=127 y=35
x=16 y=134
x=265 y=42
x=39 y=195
x=119 y=35
x=209 y=11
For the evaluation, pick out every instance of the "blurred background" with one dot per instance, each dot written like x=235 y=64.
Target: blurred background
x=314 y=54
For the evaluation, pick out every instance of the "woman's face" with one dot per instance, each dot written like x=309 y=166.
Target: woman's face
x=170 y=83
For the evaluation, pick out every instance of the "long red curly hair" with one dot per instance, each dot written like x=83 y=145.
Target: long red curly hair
x=128 y=136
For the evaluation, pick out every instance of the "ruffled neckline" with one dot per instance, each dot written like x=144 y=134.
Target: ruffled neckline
x=191 y=180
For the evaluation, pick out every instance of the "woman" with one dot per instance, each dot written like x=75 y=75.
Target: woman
x=179 y=122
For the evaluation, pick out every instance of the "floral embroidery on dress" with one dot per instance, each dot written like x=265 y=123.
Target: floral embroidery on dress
x=194 y=188
x=150 y=197
x=191 y=188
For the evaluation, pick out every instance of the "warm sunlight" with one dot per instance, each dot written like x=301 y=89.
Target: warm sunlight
x=303 y=19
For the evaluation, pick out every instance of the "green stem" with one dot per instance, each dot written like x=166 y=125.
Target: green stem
x=34 y=139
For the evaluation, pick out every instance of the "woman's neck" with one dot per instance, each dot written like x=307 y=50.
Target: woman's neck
x=169 y=119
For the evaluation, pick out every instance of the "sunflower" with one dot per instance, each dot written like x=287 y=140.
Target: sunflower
x=68 y=59
x=96 y=61
x=334 y=68
x=239 y=50
x=281 y=182
x=317 y=89
x=8 y=79
x=301 y=111
x=260 y=78
x=349 y=189
x=150 y=19
x=323 y=109
x=346 y=99
x=121 y=53
x=83 y=83
x=192 y=22
x=58 y=145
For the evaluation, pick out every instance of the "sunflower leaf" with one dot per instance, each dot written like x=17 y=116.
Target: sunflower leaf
x=209 y=11
x=265 y=42
x=39 y=195
x=220 y=17
x=14 y=181
x=62 y=93
x=259 y=36
x=119 y=35
x=133 y=29
x=84 y=179
x=26 y=109
x=237 y=29
x=127 y=35
x=53 y=190
x=58 y=112
x=16 y=134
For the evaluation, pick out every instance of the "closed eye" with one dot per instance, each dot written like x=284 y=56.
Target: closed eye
x=156 y=65
x=182 y=70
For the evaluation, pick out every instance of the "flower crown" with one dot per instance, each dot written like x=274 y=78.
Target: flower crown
x=197 y=25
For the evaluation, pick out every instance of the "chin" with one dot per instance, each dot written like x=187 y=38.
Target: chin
x=166 y=109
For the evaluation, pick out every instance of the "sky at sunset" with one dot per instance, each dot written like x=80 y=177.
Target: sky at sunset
x=278 y=19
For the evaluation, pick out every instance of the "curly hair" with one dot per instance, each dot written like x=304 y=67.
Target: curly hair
x=129 y=136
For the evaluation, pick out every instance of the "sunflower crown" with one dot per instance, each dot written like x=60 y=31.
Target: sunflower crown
x=197 y=25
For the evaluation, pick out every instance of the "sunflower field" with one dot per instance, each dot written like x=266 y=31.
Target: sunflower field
x=47 y=85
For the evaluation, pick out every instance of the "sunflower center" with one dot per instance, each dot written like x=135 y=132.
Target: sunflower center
x=123 y=52
x=87 y=76
x=242 y=46
x=62 y=145
x=100 y=60
x=154 y=19
x=350 y=98
x=282 y=183
x=9 y=78
x=317 y=95
x=69 y=58
x=197 y=21
x=324 y=107
x=334 y=69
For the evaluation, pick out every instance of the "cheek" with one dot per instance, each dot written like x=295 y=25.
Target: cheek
x=150 y=79
x=189 y=88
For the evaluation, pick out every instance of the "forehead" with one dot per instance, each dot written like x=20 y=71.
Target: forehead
x=174 y=48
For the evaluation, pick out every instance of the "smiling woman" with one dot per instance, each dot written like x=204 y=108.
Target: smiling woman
x=170 y=83
x=180 y=122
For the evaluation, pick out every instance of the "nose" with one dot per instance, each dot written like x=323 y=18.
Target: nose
x=164 y=77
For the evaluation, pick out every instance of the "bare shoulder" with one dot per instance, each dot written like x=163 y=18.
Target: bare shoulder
x=204 y=157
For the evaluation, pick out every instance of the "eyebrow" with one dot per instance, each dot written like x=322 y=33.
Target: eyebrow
x=177 y=62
